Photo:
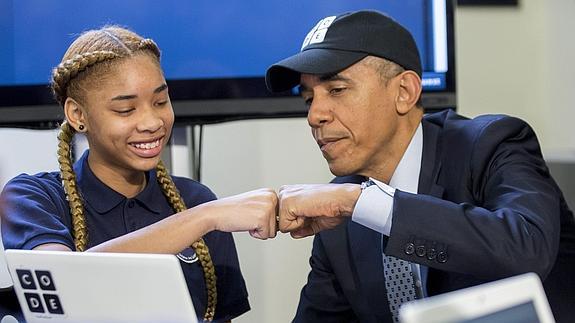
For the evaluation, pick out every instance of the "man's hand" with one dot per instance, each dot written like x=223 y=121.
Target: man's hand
x=305 y=210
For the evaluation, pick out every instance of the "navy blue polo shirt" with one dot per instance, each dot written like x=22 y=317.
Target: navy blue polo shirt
x=36 y=212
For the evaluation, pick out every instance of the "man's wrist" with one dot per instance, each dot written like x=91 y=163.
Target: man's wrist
x=373 y=208
x=353 y=191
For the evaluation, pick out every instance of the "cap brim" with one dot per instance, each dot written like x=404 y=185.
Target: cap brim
x=285 y=74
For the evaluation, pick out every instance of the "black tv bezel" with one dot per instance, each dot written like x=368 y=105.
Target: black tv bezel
x=204 y=101
x=488 y=2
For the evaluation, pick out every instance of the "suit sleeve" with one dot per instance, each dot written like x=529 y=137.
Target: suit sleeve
x=500 y=218
x=322 y=298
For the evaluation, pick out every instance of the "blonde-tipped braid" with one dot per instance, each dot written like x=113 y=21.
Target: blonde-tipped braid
x=61 y=77
x=177 y=203
x=79 y=233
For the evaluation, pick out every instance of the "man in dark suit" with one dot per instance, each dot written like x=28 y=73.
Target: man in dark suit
x=462 y=201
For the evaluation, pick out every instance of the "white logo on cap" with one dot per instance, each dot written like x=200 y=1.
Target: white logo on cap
x=318 y=32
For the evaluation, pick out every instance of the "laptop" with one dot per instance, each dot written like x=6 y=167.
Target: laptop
x=5 y=279
x=518 y=299
x=54 y=286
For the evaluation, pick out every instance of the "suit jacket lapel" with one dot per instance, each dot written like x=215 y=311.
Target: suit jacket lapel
x=367 y=266
x=430 y=161
x=429 y=174
x=361 y=246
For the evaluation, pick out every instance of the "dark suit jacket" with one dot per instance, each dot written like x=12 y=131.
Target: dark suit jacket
x=487 y=208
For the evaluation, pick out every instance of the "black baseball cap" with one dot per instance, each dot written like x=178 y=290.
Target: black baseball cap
x=337 y=42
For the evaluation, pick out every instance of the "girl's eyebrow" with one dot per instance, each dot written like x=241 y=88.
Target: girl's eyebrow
x=133 y=96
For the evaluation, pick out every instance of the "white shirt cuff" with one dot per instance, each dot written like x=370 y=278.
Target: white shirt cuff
x=374 y=207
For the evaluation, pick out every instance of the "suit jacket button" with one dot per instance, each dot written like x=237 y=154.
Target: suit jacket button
x=409 y=248
x=431 y=254
x=442 y=257
x=420 y=251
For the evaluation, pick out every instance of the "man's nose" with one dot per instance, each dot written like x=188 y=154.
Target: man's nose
x=319 y=113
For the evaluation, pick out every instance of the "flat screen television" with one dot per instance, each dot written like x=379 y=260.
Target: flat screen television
x=214 y=53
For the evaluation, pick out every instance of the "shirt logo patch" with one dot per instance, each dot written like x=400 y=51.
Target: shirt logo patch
x=318 y=32
x=188 y=256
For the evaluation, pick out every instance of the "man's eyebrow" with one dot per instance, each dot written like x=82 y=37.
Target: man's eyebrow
x=133 y=96
x=332 y=77
x=325 y=78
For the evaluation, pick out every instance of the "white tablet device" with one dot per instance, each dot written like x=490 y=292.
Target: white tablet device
x=518 y=299
x=57 y=286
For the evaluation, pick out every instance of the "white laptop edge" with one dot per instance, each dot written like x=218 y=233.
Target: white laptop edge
x=476 y=301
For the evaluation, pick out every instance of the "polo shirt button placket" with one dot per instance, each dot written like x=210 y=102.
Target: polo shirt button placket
x=131 y=223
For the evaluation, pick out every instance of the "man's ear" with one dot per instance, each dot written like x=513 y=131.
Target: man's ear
x=409 y=91
x=75 y=115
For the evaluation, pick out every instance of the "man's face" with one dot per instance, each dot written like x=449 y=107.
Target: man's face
x=353 y=118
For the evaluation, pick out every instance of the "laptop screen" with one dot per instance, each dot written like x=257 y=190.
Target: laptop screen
x=522 y=313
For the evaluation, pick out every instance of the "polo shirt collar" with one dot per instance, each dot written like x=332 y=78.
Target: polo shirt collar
x=152 y=195
x=102 y=198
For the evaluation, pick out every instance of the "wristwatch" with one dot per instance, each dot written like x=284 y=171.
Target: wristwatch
x=367 y=184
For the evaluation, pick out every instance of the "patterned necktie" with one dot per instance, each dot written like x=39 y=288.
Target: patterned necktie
x=399 y=283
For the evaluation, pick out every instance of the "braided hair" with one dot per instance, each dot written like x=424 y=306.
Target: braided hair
x=89 y=58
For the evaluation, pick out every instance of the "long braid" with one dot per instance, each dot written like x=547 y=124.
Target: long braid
x=69 y=181
x=61 y=76
x=174 y=198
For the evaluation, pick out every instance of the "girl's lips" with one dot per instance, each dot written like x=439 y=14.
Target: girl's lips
x=148 y=149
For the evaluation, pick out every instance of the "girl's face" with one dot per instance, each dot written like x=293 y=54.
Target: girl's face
x=128 y=117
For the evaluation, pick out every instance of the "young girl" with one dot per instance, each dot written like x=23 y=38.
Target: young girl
x=118 y=197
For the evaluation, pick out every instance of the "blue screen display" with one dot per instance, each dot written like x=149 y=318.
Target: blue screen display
x=199 y=39
x=522 y=313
